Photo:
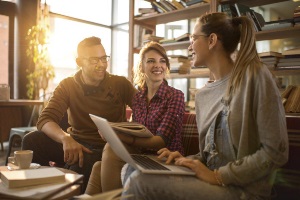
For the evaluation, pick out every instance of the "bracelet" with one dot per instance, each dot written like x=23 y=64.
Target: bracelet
x=133 y=141
x=218 y=178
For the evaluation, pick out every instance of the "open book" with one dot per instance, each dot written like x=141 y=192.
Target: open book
x=131 y=128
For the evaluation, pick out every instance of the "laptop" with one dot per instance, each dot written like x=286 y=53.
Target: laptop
x=145 y=163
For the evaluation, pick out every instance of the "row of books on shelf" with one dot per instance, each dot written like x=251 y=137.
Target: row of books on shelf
x=291 y=99
x=288 y=59
x=179 y=64
x=259 y=23
x=163 y=6
x=144 y=35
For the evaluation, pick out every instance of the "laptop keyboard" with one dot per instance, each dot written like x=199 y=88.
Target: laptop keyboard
x=148 y=163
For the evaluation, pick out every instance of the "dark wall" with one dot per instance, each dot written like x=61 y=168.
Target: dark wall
x=26 y=17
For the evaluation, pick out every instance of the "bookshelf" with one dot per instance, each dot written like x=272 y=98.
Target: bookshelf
x=195 y=11
x=190 y=12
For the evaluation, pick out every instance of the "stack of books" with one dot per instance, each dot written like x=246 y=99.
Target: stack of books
x=30 y=177
x=270 y=58
x=291 y=59
x=141 y=33
x=179 y=64
x=147 y=12
x=297 y=16
x=150 y=37
x=183 y=37
x=291 y=99
x=278 y=24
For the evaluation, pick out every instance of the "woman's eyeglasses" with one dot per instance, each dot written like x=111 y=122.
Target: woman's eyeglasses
x=194 y=37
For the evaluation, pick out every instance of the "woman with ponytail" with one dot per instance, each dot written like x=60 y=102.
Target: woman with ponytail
x=240 y=119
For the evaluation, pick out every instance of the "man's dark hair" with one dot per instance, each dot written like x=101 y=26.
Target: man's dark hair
x=87 y=42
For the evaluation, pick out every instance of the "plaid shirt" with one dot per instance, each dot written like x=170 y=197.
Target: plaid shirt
x=163 y=115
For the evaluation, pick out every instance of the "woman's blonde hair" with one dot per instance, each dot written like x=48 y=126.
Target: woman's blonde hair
x=231 y=32
x=139 y=75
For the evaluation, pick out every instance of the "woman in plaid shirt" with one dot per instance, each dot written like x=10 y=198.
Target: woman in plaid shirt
x=157 y=106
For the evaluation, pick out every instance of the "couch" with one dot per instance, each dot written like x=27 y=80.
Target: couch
x=287 y=180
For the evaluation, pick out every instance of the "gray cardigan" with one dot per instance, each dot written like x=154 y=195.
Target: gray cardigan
x=257 y=129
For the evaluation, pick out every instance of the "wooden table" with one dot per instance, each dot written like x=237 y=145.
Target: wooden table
x=15 y=113
x=66 y=192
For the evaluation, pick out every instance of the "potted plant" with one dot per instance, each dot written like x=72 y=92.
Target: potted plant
x=41 y=70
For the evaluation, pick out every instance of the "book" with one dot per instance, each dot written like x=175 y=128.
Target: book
x=146 y=10
x=163 y=41
x=169 y=4
x=255 y=20
x=30 y=177
x=131 y=128
x=177 y=4
x=278 y=24
x=160 y=8
x=286 y=64
x=289 y=60
x=249 y=16
x=178 y=58
x=43 y=191
x=184 y=37
x=192 y=2
x=241 y=9
x=270 y=53
x=294 y=51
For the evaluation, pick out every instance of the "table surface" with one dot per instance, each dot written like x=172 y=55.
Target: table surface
x=21 y=102
x=65 y=192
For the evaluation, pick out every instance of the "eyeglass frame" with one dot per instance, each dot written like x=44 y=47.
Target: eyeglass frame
x=194 y=37
x=104 y=59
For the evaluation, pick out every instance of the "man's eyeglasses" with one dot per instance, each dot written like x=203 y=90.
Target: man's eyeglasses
x=95 y=60
x=194 y=37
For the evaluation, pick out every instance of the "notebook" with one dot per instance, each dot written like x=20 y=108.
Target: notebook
x=139 y=162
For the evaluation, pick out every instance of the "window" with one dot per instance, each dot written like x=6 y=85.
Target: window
x=4 y=70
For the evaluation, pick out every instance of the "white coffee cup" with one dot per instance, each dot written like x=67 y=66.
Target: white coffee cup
x=21 y=158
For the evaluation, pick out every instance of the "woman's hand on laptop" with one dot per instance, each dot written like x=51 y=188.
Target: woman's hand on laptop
x=202 y=172
x=171 y=156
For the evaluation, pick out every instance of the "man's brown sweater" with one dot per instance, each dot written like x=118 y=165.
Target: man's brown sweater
x=107 y=100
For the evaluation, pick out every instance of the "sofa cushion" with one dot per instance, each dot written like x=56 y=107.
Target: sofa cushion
x=190 y=134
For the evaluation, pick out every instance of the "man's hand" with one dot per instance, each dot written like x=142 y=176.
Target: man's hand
x=73 y=151
x=171 y=156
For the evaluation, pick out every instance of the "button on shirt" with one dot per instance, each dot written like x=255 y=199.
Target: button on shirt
x=163 y=115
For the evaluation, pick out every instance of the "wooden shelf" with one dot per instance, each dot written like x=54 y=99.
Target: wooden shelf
x=202 y=73
x=290 y=32
x=286 y=72
x=171 y=46
x=196 y=11
x=188 y=13
x=252 y=3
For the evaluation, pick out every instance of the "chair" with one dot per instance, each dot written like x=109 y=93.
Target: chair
x=20 y=132
x=17 y=133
